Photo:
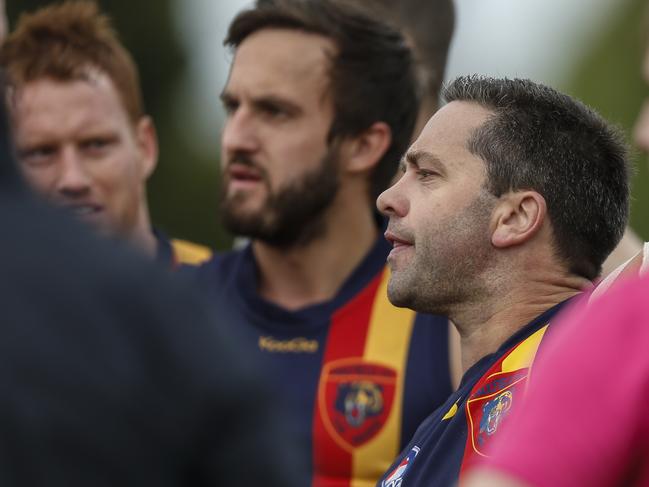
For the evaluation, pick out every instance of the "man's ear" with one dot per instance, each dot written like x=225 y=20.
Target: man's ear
x=147 y=141
x=362 y=152
x=517 y=218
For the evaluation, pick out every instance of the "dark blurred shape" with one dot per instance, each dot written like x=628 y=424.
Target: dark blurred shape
x=428 y=26
x=113 y=374
x=8 y=172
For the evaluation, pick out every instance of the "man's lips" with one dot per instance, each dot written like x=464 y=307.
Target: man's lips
x=83 y=210
x=397 y=241
x=399 y=244
x=241 y=176
x=239 y=172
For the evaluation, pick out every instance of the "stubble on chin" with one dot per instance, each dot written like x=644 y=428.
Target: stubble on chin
x=400 y=291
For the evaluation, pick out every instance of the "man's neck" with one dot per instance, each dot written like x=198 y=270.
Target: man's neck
x=314 y=272
x=485 y=326
x=142 y=236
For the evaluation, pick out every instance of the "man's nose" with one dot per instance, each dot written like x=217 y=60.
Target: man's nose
x=74 y=178
x=392 y=201
x=240 y=133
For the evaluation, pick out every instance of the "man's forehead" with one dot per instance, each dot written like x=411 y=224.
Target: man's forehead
x=453 y=124
x=52 y=105
x=295 y=57
x=87 y=81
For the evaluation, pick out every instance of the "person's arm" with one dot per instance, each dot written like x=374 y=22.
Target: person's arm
x=628 y=247
x=486 y=477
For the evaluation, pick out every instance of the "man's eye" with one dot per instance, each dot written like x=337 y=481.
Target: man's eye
x=230 y=106
x=96 y=145
x=426 y=174
x=273 y=111
x=36 y=156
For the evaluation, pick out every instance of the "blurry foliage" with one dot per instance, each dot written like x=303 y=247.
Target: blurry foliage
x=610 y=80
x=183 y=189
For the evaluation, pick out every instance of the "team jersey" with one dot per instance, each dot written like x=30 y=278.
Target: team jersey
x=356 y=374
x=174 y=252
x=458 y=432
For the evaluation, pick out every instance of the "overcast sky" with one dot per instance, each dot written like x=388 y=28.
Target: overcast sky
x=537 y=39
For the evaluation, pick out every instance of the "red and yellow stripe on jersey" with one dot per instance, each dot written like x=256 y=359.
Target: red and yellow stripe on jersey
x=358 y=414
x=495 y=393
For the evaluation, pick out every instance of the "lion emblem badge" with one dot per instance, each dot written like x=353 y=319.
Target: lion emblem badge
x=494 y=411
x=356 y=399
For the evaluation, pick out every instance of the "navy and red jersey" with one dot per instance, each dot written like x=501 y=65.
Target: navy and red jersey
x=458 y=432
x=356 y=374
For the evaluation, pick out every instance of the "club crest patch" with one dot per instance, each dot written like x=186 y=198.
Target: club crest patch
x=395 y=477
x=491 y=404
x=494 y=411
x=356 y=398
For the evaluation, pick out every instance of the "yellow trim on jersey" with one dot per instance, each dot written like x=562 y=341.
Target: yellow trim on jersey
x=387 y=343
x=451 y=412
x=189 y=253
x=523 y=355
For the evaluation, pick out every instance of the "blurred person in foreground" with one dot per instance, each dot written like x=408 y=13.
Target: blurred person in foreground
x=82 y=137
x=321 y=103
x=585 y=421
x=113 y=374
x=509 y=202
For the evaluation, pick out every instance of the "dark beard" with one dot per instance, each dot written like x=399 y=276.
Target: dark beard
x=293 y=216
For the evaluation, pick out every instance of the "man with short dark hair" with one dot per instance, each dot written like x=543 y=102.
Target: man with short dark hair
x=509 y=202
x=321 y=102
x=82 y=136
x=600 y=352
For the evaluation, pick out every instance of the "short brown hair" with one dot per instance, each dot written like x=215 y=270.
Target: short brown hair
x=372 y=76
x=67 y=42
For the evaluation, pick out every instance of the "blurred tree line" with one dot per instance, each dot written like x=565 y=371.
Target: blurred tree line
x=609 y=79
x=183 y=190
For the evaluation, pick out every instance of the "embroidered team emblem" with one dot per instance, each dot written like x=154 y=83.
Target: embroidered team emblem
x=494 y=411
x=491 y=404
x=359 y=401
x=356 y=398
x=395 y=477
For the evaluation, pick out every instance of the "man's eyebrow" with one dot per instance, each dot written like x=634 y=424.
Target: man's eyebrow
x=266 y=101
x=418 y=157
x=279 y=101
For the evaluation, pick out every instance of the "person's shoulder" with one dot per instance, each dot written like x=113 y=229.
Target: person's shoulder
x=622 y=312
x=219 y=267
x=638 y=265
x=629 y=296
